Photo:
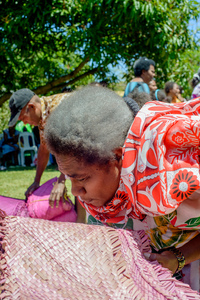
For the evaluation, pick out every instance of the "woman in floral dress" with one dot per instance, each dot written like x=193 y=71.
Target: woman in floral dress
x=134 y=172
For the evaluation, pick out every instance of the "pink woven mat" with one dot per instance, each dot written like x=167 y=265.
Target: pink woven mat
x=55 y=260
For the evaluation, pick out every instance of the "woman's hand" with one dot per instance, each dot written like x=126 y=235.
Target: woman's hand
x=167 y=259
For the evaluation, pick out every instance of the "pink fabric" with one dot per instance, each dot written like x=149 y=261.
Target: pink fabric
x=68 y=216
x=18 y=207
x=14 y=207
x=38 y=205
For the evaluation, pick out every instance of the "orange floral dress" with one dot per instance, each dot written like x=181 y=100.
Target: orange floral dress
x=160 y=173
x=160 y=167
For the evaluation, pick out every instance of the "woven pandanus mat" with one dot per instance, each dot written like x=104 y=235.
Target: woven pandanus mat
x=49 y=260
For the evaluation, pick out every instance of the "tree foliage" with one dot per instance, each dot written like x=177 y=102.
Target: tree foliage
x=45 y=45
x=182 y=70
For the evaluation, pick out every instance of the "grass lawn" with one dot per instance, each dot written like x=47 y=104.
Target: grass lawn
x=15 y=181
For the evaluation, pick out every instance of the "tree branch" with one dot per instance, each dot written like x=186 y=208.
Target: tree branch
x=60 y=86
x=50 y=86
x=4 y=98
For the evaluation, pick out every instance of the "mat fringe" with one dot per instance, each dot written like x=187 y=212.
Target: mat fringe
x=161 y=279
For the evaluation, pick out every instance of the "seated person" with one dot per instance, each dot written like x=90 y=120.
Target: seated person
x=9 y=145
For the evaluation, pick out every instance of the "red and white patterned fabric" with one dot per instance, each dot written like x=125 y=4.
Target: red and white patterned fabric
x=160 y=163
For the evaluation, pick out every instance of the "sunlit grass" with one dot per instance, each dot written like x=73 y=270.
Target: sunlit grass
x=15 y=181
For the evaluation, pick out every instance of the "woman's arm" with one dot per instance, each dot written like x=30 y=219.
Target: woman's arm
x=169 y=260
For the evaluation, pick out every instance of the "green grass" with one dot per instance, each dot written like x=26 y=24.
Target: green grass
x=15 y=181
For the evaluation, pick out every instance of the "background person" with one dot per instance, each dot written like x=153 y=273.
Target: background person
x=195 y=83
x=124 y=171
x=67 y=89
x=172 y=91
x=139 y=97
x=26 y=106
x=10 y=145
x=159 y=95
x=152 y=85
x=101 y=83
x=144 y=70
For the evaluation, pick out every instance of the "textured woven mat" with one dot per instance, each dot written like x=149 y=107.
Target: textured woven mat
x=49 y=260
